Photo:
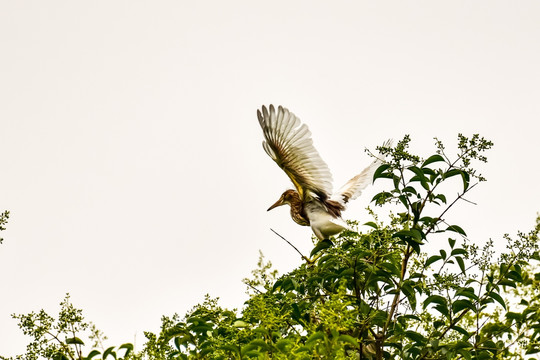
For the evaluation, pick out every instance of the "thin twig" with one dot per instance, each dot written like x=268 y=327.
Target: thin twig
x=288 y=242
x=254 y=288
x=469 y=201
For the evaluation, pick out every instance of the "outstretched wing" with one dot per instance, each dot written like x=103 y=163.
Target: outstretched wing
x=353 y=188
x=288 y=142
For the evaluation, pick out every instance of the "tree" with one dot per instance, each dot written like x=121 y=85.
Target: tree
x=60 y=338
x=3 y=221
x=414 y=287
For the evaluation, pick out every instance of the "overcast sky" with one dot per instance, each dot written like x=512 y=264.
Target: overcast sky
x=131 y=153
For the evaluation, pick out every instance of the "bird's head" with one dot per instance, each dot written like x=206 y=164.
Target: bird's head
x=286 y=198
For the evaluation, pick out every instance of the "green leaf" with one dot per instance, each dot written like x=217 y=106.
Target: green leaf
x=230 y=348
x=109 y=351
x=403 y=200
x=314 y=337
x=252 y=354
x=288 y=284
x=409 y=317
x=297 y=314
x=506 y=282
x=207 y=350
x=59 y=356
x=74 y=340
x=443 y=254
x=462 y=345
x=92 y=354
x=408 y=290
x=416 y=337
x=240 y=324
x=409 y=189
x=396 y=179
x=277 y=284
x=392 y=268
x=460 y=330
x=413 y=234
x=380 y=172
x=532 y=349
x=457 y=229
x=261 y=331
x=490 y=345
x=418 y=172
x=381 y=197
x=201 y=329
x=438 y=323
x=459 y=305
x=348 y=339
x=195 y=320
x=458 y=251
x=432 y=259
x=259 y=343
x=514 y=275
x=437 y=299
x=432 y=173
x=427 y=220
x=451 y=242
x=372 y=224
x=461 y=264
x=514 y=316
x=465 y=353
x=324 y=244
x=128 y=346
x=432 y=159
x=410 y=237
x=451 y=173
x=283 y=344
x=467 y=292
x=497 y=298
x=465 y=177
x=415 y=246
x=395 y=345
x=441 y=197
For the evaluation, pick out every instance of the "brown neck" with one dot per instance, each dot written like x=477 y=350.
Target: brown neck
x=297 y=210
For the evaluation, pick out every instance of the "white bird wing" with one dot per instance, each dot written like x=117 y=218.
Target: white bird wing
x=288 y=142
x=353 y=188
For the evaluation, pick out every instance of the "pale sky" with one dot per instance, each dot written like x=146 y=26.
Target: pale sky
x=131 y=153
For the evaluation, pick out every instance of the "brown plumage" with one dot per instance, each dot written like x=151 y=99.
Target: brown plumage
x=288 y=142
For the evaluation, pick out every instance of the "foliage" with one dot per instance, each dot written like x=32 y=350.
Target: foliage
x=60 y=339
x=3 y=221
x=405 y=290
x=413 y=288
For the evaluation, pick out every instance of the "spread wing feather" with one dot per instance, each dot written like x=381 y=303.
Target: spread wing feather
x=288 y=142
x=353 y=188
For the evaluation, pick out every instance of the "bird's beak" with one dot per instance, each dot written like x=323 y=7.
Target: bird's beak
x=278 y=203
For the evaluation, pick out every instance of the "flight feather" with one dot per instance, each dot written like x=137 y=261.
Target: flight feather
x=288 y=142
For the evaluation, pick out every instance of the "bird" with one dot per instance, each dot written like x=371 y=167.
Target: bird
x=312 y=203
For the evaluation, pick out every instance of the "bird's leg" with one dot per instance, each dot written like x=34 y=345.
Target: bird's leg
x=312 y=260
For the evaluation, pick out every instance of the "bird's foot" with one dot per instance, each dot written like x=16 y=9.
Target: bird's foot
x=312 y=260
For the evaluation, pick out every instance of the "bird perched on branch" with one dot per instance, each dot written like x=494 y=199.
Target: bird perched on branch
x=288 y=142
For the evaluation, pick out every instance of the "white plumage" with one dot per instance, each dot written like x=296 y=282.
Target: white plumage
x=288 y=142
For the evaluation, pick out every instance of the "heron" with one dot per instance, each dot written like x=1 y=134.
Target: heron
x=312 y=203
